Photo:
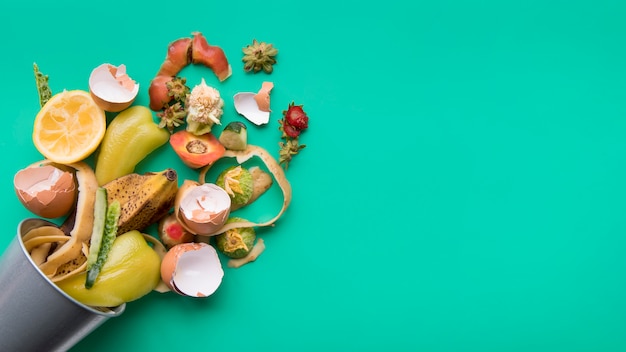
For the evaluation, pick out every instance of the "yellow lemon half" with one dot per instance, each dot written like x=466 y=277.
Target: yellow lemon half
x=69 y=127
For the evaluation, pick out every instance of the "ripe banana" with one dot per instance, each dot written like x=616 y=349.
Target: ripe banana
x=144 y=198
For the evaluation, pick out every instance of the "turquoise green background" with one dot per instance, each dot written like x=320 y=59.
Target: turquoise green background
x=462 y=188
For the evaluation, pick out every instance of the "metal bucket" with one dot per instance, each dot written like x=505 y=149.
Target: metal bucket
x=35 y=315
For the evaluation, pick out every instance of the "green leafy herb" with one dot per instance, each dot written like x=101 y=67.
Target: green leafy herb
x=42 y=86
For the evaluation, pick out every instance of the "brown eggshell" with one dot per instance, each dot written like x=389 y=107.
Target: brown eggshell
x=111 y=88
x=192 y=269
x=46 y=191
x=202 y=209
x=168 y=265
x=262 y=97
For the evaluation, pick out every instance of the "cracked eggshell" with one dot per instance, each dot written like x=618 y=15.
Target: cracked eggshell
x=255 y=106
x=46 y=191
x=246 y=105
x=202 y=209
x=192 y=269
x=262 y=97
x=111 y=88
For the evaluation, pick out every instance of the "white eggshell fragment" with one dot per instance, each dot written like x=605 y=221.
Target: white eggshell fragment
x=203 y=209
x=192 y=269
x=46 y=191
x=246 y=105
x=111 y=88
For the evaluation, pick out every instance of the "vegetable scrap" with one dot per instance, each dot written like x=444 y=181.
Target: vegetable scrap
x=43 y=89
x=277 y=172
x=196 y=151
x=259 y=56
x=234 y=136
x=180 y=53
x=294 y=122
x=237 y=242
x=172 y=116
x=108 y=207
x=204 y=109
x=178 y=90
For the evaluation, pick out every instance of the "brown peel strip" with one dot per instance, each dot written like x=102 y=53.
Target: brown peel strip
x=73 y=267
x=38 y=241
x=256 y=251
x=42 y=231
x=39 y=253
x=276 y=171
x=83 y=225
x=159 y=248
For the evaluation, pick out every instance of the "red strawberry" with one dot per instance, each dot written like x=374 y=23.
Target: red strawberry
x=296 y=117
x=290 y=130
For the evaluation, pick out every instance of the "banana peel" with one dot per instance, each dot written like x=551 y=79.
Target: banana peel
x=144 y=198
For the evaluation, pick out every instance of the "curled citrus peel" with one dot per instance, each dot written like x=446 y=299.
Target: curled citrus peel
x=69 y=253
x=272 y=165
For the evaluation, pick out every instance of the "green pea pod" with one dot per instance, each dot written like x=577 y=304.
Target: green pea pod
x=129 y=138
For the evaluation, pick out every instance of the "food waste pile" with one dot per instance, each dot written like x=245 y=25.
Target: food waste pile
x=100 y=253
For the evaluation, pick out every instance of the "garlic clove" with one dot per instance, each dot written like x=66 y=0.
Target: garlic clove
x=111 y=87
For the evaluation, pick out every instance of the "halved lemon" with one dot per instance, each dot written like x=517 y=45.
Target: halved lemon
x=69 y=127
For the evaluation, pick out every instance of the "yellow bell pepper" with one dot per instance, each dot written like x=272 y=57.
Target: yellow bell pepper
x=128 y=139
x=131 y=271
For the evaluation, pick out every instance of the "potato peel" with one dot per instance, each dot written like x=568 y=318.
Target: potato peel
x=83 y=225
x=73 y=267
x=38 y=241
x=272 y=165
x=256 y=251
x=41 y=231
x=39 y=253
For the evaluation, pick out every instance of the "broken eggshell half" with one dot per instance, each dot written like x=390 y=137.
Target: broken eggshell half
x=192 y=269
x=201 y=209
x=111 y=88
x=255 y=106
x=46 y=191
